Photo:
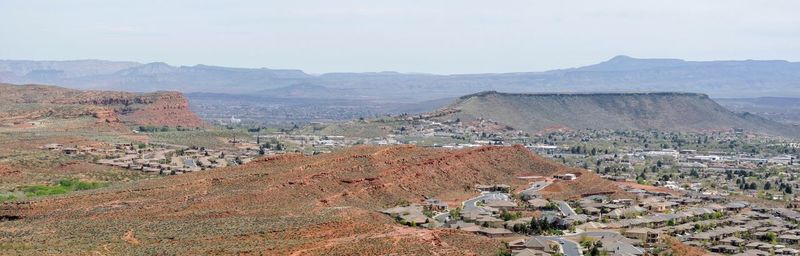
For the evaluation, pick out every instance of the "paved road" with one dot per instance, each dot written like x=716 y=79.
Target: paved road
x=570 y=248
x=535 y=187
x=473 y=203
x=566 y=209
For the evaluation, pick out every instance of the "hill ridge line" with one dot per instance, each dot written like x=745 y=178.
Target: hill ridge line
x=632 y=93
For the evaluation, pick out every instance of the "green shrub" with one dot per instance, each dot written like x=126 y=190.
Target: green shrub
x=62 y=187
x=40 y=190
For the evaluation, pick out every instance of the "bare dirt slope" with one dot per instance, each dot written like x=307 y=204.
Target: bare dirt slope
x=23 y=103
x=292 y=204
x=630 y=111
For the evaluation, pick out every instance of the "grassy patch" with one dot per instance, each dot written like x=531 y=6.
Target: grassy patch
x=62 y=187
x=6 y=246
x=4 y=198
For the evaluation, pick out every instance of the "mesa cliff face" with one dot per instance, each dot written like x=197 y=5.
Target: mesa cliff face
x=164 y=108
x=629 y=111
x=30 y=102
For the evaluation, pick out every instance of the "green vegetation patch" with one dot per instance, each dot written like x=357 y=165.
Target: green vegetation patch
x=62 y=187
x=4 y=198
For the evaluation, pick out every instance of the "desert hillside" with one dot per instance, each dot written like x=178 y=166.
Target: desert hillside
x=308 y=205
x=631 y=111
x=22 y=103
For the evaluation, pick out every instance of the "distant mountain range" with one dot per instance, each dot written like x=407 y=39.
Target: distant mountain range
x=781 y=109
x=749 y=78
x=679 y=112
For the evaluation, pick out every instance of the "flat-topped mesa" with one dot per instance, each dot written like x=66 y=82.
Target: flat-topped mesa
x=583 y=94
x=157 y=108
x=667 y=111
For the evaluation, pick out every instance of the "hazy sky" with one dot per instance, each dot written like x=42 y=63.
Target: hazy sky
x=409 y=36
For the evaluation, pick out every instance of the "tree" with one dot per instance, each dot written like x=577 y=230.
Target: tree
x=753 y=186
x=503 y=253
x=455 y=213
x=767 y=185
x=771 y=237
x=596 y=248
x=788 y=189
x=554 y=247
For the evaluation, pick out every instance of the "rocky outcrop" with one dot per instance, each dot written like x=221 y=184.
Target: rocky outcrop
x=106 y=115
x=157 y=109
x=165 y=108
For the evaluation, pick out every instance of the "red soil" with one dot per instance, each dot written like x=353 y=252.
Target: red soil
x=159 y=108
x=324 y=204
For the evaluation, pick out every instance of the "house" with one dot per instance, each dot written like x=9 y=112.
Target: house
x=726 y=249
x=735 y=206
x=471 y=229
x=753 y=252
x=408 y=214
x=592 y=211
x=492 y=188
x=733 y=241
x=591 y=226
x=619 y=248
x=517 y=245
x=495 y=232
x=489 y=221
x=646 y=235
x=789 y=239
x=457 y=224
x=622 y=201
x=566 y=176
x=659 y=206
x=435 y=205
x=502 y=188
x=537 y=203
x=787 y=251
x=529 y=252
x=521 y=221
x=626 y=212
x=500 y=204
x=575 y=219
x=538 y=243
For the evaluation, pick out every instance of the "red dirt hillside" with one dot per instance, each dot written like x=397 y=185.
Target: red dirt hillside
x=306 y=205
x=22 y=103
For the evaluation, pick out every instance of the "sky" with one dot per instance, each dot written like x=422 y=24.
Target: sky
x=444 y=37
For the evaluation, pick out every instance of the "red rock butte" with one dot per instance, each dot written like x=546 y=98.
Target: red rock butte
x=156 y=109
